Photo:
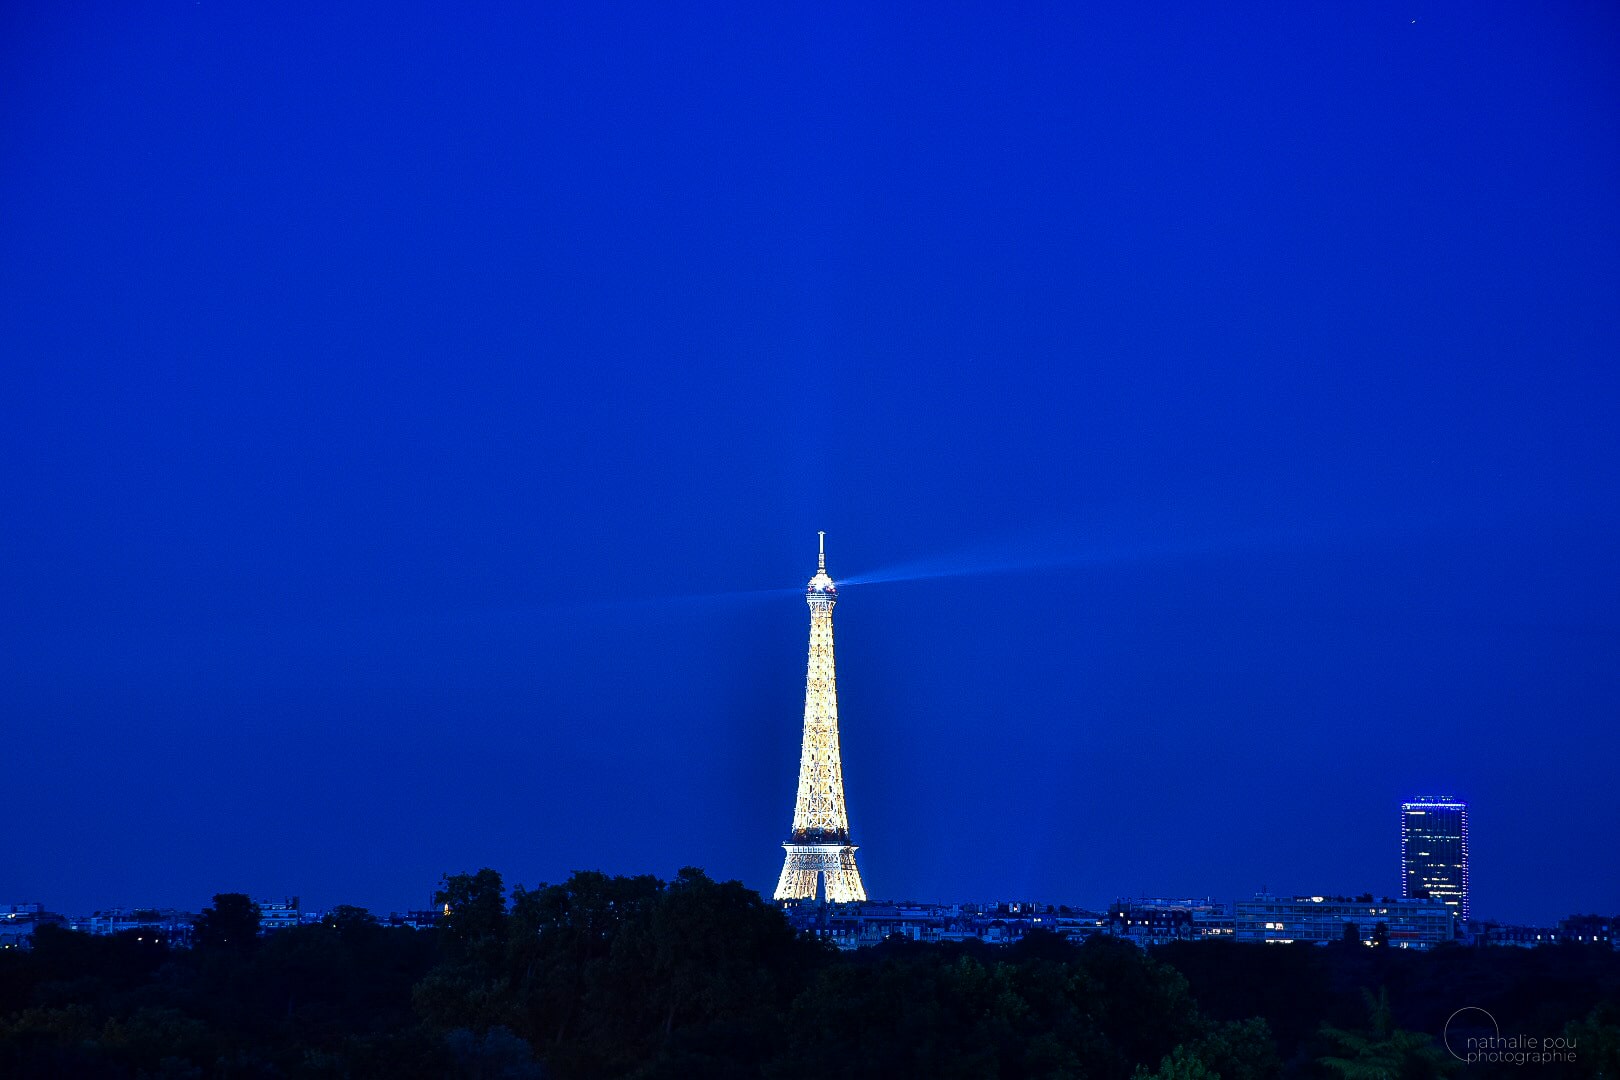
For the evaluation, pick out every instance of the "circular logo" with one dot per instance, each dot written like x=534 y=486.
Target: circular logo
x=1445 y=1036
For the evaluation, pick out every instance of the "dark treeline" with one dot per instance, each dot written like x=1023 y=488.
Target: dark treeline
x=635 y=977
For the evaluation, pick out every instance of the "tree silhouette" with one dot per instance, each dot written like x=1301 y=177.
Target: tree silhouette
x=621 y=977
x=346 y=918
x=232 y=923
x=1179 y=1064
x=474 y=906
x=1384 y=1052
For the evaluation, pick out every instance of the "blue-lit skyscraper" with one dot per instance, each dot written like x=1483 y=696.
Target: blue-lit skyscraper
x=1434 y=850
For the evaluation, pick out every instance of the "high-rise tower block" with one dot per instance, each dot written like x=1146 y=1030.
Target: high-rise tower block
x=1434 y=850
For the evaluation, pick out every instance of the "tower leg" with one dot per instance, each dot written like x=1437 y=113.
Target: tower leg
x=807 y=866
x=844 y=883
x=796 y=884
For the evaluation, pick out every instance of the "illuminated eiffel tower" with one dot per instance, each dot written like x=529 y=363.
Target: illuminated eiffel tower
x=819 y=844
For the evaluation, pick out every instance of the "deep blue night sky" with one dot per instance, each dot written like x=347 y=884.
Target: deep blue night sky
x=405 y=407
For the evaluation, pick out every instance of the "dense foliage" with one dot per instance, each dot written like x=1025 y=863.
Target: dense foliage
x=635 y=977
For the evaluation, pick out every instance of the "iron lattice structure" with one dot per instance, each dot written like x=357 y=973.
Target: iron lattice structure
x=819 y=845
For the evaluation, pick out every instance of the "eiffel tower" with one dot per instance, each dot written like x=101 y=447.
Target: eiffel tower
x=819 y=845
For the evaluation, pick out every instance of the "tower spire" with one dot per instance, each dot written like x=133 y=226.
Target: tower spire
x=819 y=848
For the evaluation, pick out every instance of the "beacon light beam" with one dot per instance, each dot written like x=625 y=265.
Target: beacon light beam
x=609 y=603
x=691 y=598
x=1068 y=552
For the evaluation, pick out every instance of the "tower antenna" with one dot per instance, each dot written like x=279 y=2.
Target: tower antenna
x=821 y=551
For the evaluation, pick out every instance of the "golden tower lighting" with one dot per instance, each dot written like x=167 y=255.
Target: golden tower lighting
x=819 y=845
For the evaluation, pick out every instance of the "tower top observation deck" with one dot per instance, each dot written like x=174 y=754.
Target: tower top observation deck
x=821 y=587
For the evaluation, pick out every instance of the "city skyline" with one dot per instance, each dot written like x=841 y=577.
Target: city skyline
x=1420 y=872
x=415 y=422
x=820 y=693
